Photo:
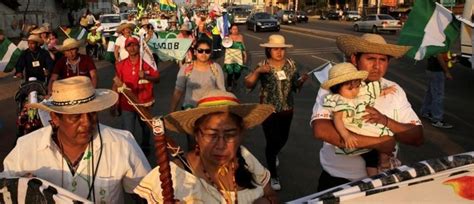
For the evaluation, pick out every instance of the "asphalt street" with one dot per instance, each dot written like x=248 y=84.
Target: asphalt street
x=299 y=163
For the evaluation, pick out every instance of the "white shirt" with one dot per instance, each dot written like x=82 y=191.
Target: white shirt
x=394 y=106
x=122 y=164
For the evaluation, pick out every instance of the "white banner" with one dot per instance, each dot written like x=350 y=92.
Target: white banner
x=170 y=48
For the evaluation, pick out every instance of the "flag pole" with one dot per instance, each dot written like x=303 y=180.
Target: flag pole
x=64 y=32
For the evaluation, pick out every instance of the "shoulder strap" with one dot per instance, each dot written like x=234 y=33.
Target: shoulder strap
x=188 y=70
x=214 y=69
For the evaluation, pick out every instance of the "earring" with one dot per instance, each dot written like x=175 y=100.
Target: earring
x=197 y=149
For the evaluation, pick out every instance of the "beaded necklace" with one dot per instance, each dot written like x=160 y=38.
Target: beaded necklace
x=221 y=171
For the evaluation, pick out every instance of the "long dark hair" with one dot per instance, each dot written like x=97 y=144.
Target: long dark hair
x=243 y=177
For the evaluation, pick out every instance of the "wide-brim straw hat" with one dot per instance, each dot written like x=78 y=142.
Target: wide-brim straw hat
x=122 y=26
x=216 y=101
x=76 y=95
x=276 y=41
x=369 y=43
x=69 y=43
x=40 y=30
x=35 y=38
x=93 y=28
x=343 y=72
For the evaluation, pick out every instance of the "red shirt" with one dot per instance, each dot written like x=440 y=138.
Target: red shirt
x=64 y=70
x=128 y=74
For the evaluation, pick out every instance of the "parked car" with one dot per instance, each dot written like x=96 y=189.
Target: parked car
x=261 y=21
x=378 y=22
x=352 y=16
x=332 y=15
x=239 y=14
x=301 y=16
x=286 y=17
x=110 y=22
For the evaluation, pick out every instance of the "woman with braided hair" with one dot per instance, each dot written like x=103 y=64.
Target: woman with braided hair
x=219 y=169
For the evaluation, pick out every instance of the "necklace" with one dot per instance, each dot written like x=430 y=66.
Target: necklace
x=227 y=193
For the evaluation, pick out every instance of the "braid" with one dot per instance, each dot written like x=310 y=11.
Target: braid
x=243 y=177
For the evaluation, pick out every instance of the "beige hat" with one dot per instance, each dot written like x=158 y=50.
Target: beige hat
x=343 y=72
x=93 y=28
x=69 y=43
x=369 y=43
x=122 y=26
x=76 y=95
x=35 y=38
x=39 y=30
x=275 y=41
x=217 y=101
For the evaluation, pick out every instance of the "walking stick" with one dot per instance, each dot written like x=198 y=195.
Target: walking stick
x=162 y=143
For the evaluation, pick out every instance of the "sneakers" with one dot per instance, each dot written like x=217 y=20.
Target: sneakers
x=442 y=124
x=275 y=184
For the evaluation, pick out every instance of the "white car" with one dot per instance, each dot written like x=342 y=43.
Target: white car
x=110 y=22
x=378 y=22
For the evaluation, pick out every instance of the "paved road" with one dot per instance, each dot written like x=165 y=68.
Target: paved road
x=299 y=163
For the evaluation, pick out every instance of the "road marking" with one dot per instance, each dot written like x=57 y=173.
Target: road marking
x=253 y=36
x=309 y=35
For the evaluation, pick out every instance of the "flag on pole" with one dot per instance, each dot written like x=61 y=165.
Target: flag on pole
x=9 y=55
x=430 y=29
x=109 y=54
x=77 y=33
x=167 y=5
x=322 y=72
x=146 y=53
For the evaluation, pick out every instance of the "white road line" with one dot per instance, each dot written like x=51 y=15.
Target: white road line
x=253 y=36
x=324 y=59
x=313 y=36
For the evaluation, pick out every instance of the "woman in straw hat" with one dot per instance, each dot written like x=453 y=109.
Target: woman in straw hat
x=347 y=101
x=279 y=78
x=73 y=64
x=125 y=31
x=34 y=61
x=76 y=152
x=371 y=53
x=218 y=169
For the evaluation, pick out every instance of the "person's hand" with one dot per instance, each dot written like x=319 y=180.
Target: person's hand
x=374 y=116
x=449 y=76
x=117 y=81
x=350 y=142
x=264 y=69
x=19 y=75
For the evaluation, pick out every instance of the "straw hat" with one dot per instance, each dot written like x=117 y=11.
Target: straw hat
x=369 y=43
x=122 y=26
x=76 y=95
x=343 y=72
x=275 y=41
x=35 y=38
x=39 y=30
x=69 y=43
x=93 y=28
x=213 y=102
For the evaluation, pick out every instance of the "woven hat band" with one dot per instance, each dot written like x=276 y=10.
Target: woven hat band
x=73 y=102
x=216 y=101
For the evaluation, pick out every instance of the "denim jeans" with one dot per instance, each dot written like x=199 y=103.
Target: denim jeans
x=128 y=123
x=433 y=102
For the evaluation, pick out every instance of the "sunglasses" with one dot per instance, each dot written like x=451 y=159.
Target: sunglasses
x=207 y=51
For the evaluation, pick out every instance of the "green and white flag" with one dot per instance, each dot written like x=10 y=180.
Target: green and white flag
x=168 y=47
x=109 y=54
x=9 y=55
x=430 y=29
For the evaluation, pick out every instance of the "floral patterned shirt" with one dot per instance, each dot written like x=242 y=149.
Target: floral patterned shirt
x=277 y=88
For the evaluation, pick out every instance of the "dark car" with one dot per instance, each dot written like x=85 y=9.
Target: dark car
x=262 y=21
x=332 y=15
x=301 y=16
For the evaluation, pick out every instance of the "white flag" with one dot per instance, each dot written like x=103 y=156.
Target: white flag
x=321 y=73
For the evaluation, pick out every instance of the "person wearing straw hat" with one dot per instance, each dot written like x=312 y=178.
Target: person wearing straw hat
x=279 y=78
x=347 y=101
x=76 y=152
x=34 y=61
x=43 y=33
x=125 y=30
x=219 y=169
x=73 y=64
x=371 y=53
x=140 y=80
x=94 y=40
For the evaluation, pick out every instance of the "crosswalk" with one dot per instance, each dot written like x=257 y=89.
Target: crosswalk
x=296 y=52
